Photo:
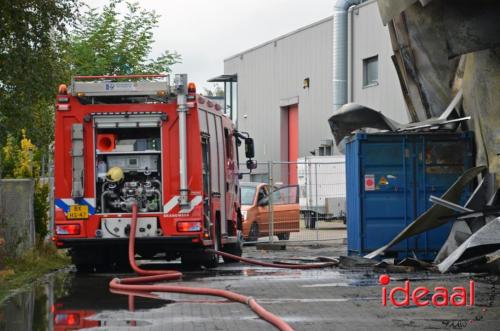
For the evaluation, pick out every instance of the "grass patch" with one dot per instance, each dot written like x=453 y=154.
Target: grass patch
x=33 y=264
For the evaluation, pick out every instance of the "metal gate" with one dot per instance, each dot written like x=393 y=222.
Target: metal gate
x=310 y=208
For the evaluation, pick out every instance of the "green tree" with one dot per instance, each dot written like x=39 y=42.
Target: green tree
x=30 y=63
x=109 y=43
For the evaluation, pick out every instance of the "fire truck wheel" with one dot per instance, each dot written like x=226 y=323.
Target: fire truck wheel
x=200 y=258
x=122 y=264
x=234 y=249
x=210 y=260
x=190 y=261
x=283 y=236
x=81 y=261
x=253 y=234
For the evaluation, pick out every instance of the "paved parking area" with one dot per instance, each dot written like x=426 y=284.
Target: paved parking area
x=328 y=299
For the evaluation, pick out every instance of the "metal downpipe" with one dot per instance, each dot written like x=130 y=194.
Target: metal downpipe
x=340 y=9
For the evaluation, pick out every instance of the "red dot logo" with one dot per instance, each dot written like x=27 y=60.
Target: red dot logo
x=384 y=279
x=370 y=182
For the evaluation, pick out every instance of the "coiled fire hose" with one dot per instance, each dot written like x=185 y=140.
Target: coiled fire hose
x=141 y=286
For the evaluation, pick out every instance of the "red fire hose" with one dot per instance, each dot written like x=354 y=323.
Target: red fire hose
x=138 y=284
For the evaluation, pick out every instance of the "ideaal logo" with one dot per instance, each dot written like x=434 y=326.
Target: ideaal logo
x=440 y=297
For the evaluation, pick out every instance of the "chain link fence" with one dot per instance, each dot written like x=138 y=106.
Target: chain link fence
x=300 y=201
x=47 y=178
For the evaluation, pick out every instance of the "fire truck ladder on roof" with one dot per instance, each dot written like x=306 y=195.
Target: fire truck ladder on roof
x=131 y=85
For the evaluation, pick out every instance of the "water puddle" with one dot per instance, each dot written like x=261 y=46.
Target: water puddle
x=65 y=301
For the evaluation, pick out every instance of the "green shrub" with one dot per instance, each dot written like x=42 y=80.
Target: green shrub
x=19 y=160
x=43 y=258
x=41 y=208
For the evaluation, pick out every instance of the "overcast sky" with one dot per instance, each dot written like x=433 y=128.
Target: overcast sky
x=205 y=32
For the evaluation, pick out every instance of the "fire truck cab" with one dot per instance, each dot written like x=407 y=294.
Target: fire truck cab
x=124 y=139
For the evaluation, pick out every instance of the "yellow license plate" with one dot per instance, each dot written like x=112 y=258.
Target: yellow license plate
x=78 y=212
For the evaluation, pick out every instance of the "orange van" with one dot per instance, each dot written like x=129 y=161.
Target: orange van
x=255 y=207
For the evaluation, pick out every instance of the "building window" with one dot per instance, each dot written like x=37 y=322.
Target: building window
x=370 y=71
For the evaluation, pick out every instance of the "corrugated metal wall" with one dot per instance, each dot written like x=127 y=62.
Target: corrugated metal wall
x=270 y=77
x=370 y=38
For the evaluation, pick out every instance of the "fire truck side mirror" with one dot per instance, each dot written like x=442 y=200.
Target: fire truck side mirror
x=251 y=164
x=249 y=148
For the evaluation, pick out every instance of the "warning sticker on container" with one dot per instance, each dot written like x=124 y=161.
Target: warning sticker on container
x=369 y=182
x=383 y=181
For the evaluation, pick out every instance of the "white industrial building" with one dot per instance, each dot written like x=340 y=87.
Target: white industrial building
x=286 y=85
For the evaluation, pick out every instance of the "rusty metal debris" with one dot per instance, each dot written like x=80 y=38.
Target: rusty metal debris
x=393 y=268
x=351 y=117
x=474 y=241
x=468 y=232
x=486 y=240
x=449 y=205
x=354 y=261
x=448 y=50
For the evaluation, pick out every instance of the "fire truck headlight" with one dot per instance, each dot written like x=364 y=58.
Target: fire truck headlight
x=188 y=226
x=69 y=229
x=67 y=319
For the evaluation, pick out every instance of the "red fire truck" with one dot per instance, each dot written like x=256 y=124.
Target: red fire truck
x=120 y=139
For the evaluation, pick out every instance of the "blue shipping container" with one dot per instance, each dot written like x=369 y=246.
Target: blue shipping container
x=389 y=180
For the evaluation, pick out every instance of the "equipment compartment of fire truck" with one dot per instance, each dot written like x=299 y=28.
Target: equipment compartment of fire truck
x=128 y=169
x=124 y=140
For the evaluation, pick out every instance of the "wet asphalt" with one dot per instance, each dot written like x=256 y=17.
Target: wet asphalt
x=328 y=299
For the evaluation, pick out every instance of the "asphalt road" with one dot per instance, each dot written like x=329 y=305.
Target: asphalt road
x=330 y=299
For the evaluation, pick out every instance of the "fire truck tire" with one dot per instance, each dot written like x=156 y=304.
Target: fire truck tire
x=121 y=264
x=283 y=236
x=210 y=260
x=190 y=261
x=200 y=258
x=81 y=261
x=233 y=249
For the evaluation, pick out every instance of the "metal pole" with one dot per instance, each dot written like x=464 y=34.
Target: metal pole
x=231 y=101
x=182 y=111
x=51 y=188
x=317 y=206
x=271 y=213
